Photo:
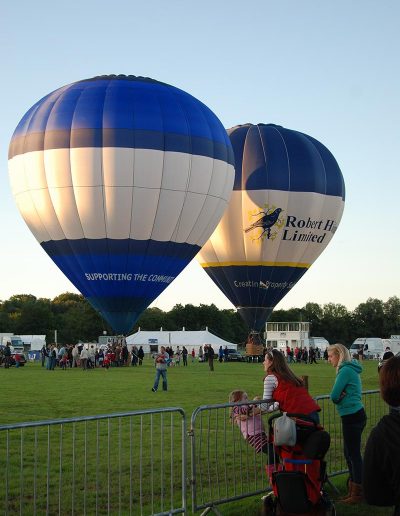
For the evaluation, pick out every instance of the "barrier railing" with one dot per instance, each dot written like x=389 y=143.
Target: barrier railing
x=375 y=408
x=131 y=463
x=136 y=463
x=224 y=466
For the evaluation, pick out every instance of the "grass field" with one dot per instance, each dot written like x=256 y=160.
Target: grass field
x=32 y=393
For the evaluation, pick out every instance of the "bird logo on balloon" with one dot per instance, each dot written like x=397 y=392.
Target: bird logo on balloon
x=270 y=219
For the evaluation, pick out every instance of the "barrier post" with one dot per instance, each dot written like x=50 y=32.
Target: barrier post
x=305 y=380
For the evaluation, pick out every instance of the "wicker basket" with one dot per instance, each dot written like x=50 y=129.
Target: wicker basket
x=254 y=349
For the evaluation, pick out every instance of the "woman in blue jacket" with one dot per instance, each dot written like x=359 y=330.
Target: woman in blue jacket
x=346 y=394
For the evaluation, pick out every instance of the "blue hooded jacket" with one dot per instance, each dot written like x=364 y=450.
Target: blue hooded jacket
x=346 y=392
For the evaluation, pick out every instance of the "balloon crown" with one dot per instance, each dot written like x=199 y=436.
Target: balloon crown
x=249 y=124
x=123 y=77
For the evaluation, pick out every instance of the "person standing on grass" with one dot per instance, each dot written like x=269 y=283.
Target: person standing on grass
x=178 y=356
x=210 y=357
x=7 y=356
x=75 y=356
x=140 y=355
x=52 y=357
x=184 y=355
x=381 y=468
x=84 y=358
x=43 y=354
x=161 y=361
x=346 y=394
x=134 y=356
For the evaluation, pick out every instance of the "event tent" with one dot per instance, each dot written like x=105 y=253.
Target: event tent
x=151 y=340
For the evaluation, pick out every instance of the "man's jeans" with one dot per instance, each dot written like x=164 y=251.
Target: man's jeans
x=163 y=373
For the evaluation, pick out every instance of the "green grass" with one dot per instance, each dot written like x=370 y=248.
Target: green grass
x=32 y=393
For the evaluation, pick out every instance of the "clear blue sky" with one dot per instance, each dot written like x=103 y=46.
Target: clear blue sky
x=329 y=69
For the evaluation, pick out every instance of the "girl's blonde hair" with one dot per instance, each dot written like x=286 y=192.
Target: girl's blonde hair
x=341 y=351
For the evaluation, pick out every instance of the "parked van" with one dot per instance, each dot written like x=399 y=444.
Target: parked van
x=371 y=347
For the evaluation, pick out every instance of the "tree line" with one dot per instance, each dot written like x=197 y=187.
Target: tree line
x=75 y=320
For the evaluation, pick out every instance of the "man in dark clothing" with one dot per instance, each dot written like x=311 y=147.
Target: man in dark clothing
x=43 y=354
x=211 y=357
x=7 y=356
x=140 y=355
x=381 y=469
x=312 y=356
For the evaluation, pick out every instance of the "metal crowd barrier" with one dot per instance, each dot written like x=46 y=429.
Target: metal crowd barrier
x=131 y=463
x=224 y=466
x=136 y=463
x=375 y=408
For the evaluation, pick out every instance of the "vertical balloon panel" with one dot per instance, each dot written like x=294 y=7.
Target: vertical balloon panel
x=122 y=180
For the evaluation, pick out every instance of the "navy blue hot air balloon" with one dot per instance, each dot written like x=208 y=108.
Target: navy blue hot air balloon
x=121 y=179
x=287 y=203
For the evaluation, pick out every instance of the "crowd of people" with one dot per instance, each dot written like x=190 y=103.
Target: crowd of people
x=303 y=355
x=90 y=356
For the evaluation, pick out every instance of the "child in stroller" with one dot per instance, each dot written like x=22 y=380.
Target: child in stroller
x=297 y=484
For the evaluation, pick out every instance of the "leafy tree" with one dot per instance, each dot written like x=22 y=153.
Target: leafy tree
x=36 y=317
x=184 y=316
x=335 y=323
x=75 y=319
x=237 y=330
x=4 y=322
x=391 y=310
x=152 y=319
x=313 y=313
x=368 y=319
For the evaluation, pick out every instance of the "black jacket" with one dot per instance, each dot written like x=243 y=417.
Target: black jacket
x=381 y=475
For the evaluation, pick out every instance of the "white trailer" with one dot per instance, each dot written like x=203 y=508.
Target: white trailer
x=33 y=342
x=395 y=344
x=317 y=342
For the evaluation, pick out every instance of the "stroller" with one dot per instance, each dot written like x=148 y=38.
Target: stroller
x=299 y=476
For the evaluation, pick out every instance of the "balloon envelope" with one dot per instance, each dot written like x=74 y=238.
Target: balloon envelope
x=287 y=202
x=121 y=179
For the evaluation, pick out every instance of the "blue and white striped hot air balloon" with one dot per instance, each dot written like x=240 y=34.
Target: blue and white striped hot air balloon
x=121 y=179
x=287 y=202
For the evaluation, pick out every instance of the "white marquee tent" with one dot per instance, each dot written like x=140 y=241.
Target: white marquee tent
x=152 y=340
